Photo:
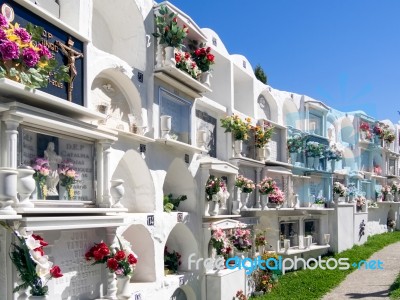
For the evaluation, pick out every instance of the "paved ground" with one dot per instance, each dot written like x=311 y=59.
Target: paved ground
x=370 y=284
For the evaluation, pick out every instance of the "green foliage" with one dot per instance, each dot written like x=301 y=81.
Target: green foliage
x=172 y=260
x=171 y=203
x=394 y=290
x=238 y=127
x=260 y=75
x=168 y=30
x=313 y=284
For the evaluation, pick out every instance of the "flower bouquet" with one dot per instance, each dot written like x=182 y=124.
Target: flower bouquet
x=339 y=189
x=237 y=126
x=360 y=202
x=266 y=186
x=68 y=177
x=241 y=238
x=295 y=144
x=220 y=242
x=203 y=58
x=172 y=260
x=277 y=196
x=314 y=149
x=22 y=57
x=42 y=170
x=244 y=184
x=168 y=30
x=334 y=153
x=119 y=258
x=216 y=189
x=185 y=63
x=33 y=266
x=263 y=134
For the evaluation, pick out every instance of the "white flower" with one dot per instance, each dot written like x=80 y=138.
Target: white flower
x=43 y=266
x=31 y=243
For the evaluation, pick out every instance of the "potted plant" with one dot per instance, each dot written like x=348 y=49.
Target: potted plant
x=339 y=191
x=360 y=202
x=216 y=194
x=333 y=154
x=42 y=170
x=240 y=130
x=68 y=177
x=391 y=224
x=185 y=63
x=169 y=33
x=172 y=261
x=265 y=187
x=365 y=131
x=295 y=146
x=244 y=186
x=241 y=240
x=220 y=242
x=171 y=203
x=24 y=59
x=319 y=202
x=388 y=137
x=314 y=151
x=262 y=136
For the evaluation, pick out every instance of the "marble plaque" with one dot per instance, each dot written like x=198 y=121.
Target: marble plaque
x=28 y=148
x=81 y=280
x=81 y=155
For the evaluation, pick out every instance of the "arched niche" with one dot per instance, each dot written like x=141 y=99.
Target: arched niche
x=182 y=240
x=291 y=116
x=143 y=246
x=347 y=130
x=184 y=292
x=139 y=188
x=120 y=32
x=179 y=181
x=114 y=94
x=267 y=107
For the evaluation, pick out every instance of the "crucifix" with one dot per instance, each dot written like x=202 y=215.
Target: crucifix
x=72 y=55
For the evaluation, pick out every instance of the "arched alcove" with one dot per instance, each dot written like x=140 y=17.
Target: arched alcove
x=179 y=181
x=291 y=115
x=139 y=188
x=143 y=246
x=114 y=94
x=184 y=292
x=347 y=131
x=181 y=239
x=120 y=32
x=267 y=107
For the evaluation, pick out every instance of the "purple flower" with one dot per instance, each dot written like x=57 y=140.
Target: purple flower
x=3 y=21
x=30 y=56
x=9 y=50
x=23 y=35
x=2 y=35
x=44 y=51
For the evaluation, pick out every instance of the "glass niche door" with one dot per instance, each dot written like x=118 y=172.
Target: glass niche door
x=64 y=165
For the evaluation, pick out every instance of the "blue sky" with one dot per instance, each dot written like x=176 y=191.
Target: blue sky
x=344 y=53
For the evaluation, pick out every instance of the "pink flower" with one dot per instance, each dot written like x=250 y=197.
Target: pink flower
x=9 y=50
x=23 y=35
x=44 y=51
x=3 y=21
x=44 y=171
x=30 y=56
x=70 y=173
x=2 y=35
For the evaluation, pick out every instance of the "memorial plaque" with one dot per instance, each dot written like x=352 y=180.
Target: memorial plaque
x=150 y=220
x=208 y=123
x=81 y=155
x=179 y=217
x=137 y=296
x=81 y=279
x=28 y=148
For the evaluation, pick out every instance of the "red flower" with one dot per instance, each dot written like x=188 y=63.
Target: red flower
x=175 y=20
x=203 y=51
x=166 y=28
x=132 y=259
x=208 y=50
x=112 y=264
x=56 y=272
x=177 y=57
x=40 y=250
x=120 y=255
x=210 y=57
x=97 y=255
x=40 y=239
x=197 y=52
x=187 y=55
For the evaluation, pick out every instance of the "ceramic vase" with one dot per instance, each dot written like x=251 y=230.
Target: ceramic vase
x=264 y=202
x=25 y=186
x=310 y=162
x=166 y=126
x=205 y=78
x=261 y=154
x=213 y=206
x=333 y=165
x=123 y=289
x=316 y=163
x=244 y=200
x=237 y=148
x=169 y=56
x=8 y=190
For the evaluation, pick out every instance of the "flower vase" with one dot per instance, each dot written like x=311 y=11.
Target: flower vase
x=264 y=201
x=244 y=200
x=333 y=165
x=260 y=249
x=389 y=197
x=261 y=154
x=267 y=152
x=202 y=139
x=165 y=126
x=65 y=192
x=123 y=289
x=169 y=56
x=237 y=147
x=205 y=78
x=272 y=205
x=236 y=201
x=25 y=186
x=316 y=163
x=310 y=162
x=213 y=206
x=363 y=135
x=327 y=238
x=293 y=157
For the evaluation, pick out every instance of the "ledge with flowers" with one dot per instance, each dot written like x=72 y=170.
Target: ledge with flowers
x=180 y=54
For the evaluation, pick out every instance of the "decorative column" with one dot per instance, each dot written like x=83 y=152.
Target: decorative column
x=111 y=277
x=106 y=200
x=258 y=179
x=12 y=123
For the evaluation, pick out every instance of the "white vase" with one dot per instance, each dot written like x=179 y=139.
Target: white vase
x=261 y=154
x=333 y=165
x=202 y=139
x=8 y=190
x=293 y=157
x=123 y=288
x=166 y=126
x=117 y=191
x=25 y=186
x=286 y=245
x=244 y=200
x=264 y=202
x=236 y=201
x=327 y=238
x=169 y=56
x=310 y=162
x=238 y=147
x=316 y=163
x=267 y=152
x=205 y=78
x=213 y=207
